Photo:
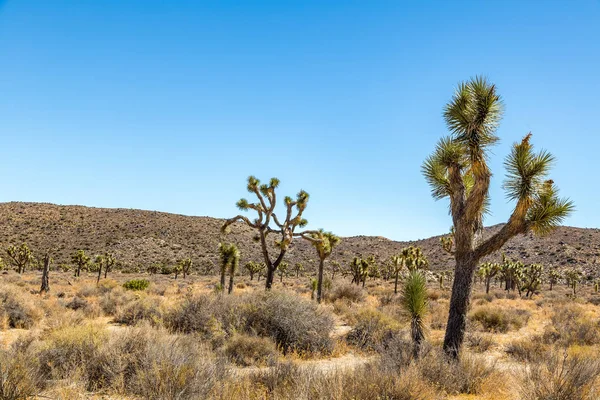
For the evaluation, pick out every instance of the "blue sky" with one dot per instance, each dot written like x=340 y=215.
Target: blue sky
x=169 y=106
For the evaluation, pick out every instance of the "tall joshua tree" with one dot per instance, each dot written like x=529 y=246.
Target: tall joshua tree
x=81 y=260
x=109 y=263
x=45 y=288
x=100 y=262
x=324 y=243
x=20 y=256
x=268 y=223
x=230 y=257
x=458 y=169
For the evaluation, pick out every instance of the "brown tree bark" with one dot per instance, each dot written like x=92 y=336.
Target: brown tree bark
x=45 y=275
x=320 y=281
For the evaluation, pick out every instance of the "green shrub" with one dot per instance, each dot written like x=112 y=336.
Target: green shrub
x=136 y=284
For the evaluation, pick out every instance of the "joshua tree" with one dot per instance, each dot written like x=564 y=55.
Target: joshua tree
x=81 y=260
x=45 y=288
x=554 y=277
x=313 y=288
x=177 y=268
x=20 y=256
x=573 y=277
x=100 y=262
x=109 y=262
x=458 y=170
x=269 y=223
x=282 y=270
x=230 y=257
x=233 y=266
x=532 y=278
x=298 y=268
x=335 y=268
x=186 y=266
x=488 y=271
x=397 y=265
x=359 y=270
x=512 y=273
x=414 y=301
x=2 y=265
x=254 y=268
x=324 y=242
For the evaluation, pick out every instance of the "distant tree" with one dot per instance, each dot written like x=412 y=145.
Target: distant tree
x=269 y=223
x=230 y=256
x=282 y=270
x=100 y=262
x=324 y=243
x=20 y=256
x=414 y=302
x=313 y=288
x=532 y=279
x=335 y=268
x=298 y=268
x=458 y=170
x=177 y=268
x=109 y=263
x=397 y=263
x=254 y=268
x=488 y=271
x=45 y=288
x=186 y=266
x=359 y=270
x=81 y=261
x=573 y=277
x=554 y=276
x=2 y=265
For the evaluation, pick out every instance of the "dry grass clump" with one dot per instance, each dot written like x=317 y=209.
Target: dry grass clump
x=531 y=349
x=66 y=351
x=480 y=343
x=113 y=302
x=146 y=308
x=246 y=350
x=372 y=330
x=17 y=309
x=495 y=319
x=571 y=325
x=19 y=375
x=349 y=292
x=559 y=377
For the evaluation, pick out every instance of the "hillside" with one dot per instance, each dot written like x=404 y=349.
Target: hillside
x=140 y=238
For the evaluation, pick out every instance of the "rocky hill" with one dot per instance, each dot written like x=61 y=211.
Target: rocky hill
x=140 y=238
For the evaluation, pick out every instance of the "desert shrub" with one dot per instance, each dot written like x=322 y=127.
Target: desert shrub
x=248 y=350
x=571 y=326
x=112 y=302
x=467 y=376
x=19 y=375
x=67 y=350
x=558 y=377
x=494 y=319
x=77 y=303
x=530 y=349
x=136 y=284
x=17 y=310
x=88 y=291
x=347 y=292
x=211 y=317
x=147 y=308
x=107 y=285
x=397 y=354
x=372 y=330
x=282 y=375
x=293 y=322
x=438 y=314
x=478 y=342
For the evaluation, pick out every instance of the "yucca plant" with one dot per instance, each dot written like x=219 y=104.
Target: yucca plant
x=414 y=302
x=458 y=170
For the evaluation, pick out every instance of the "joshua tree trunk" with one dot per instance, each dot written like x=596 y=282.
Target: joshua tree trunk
x=223 y=269
x=488 y=280
x=99 y=274
x=320 y=281
x=459 y=304
x=396 y=283
x=45 y=275
x=230 y=283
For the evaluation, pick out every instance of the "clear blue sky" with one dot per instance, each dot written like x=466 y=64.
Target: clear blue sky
x=170 y=105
